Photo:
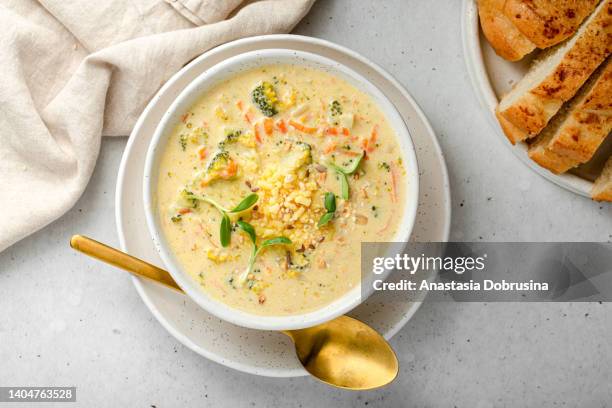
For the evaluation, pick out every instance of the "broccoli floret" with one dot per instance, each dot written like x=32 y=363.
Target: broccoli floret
x=198 y=135
x=299 y=155
x=195 y=136
x=231 y=136
x=183 y=141
x=335 y=111
x=303 y=146
x=219 y=161
x=187 y=199
x=221 y=166
x=335 y=108
x=237 y=136
x=185 y=202
x=264 y=96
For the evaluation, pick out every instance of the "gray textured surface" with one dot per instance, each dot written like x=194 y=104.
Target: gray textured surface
x=66 y=320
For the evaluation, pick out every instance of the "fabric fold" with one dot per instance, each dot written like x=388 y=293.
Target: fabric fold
x=202 y=12
x=56 y=100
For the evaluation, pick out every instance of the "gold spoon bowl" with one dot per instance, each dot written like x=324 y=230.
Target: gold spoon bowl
x=343 y=352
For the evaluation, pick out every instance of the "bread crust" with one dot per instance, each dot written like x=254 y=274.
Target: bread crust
x=507 y=41
x=602 y=189
x=548 y=22
x=550 y=160
x=573 y=138
x=589 y=123
x=531 y=113
x=513 y=133
x=532 y=110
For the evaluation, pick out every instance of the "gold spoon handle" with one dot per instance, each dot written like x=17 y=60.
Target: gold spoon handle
x=122 y=260
x=343 y=352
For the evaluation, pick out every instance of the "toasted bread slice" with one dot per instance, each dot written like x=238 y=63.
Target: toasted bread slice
x=602 y=189
x=558 y=75
x=513 y=133
x=548 y=22
x=507 y=41
x=573 y=136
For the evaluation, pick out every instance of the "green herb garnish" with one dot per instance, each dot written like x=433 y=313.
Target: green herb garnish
x=344 y=172
x=384 y=166
x=246 y=203
x=327 y=217
x=183 y=141
x=225 y=230
x=335 y=108
x=330 y=202
x=330 y=205
x=250 y=231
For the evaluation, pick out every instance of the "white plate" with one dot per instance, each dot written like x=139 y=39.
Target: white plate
x=491 y=77
x=253 y=351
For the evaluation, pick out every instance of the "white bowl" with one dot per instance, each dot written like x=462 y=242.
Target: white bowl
x=185 y=101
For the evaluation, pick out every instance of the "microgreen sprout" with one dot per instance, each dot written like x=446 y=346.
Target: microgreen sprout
x=250 y=231
x=344 y=172
x=330 y=205
x=225 y=230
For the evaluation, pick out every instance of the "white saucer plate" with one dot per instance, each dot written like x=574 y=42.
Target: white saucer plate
x=254 y=351
x=492 y=77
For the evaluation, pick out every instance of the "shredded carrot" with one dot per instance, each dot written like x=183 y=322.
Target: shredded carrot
x=282 y=126
x=229 y=172
x=184 y=118
x=302 y=128
x=249 y=117
x=240 y=105
x=350 y=153
x=184 y=211
x=211 y=241
x=268 y=126
x=393 y=184
x=374 y=134
x=330 y=147
x=370 y=144
x=257 y=133
x=232 y=169
x=365 y=143
x=387 y=225
x=336 y=131
x=205 y=233
x=202 y=153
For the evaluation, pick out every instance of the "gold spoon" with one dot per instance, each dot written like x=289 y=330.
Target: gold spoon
x=343 y=352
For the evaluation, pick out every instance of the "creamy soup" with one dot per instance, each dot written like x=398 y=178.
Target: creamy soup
x=314 y=168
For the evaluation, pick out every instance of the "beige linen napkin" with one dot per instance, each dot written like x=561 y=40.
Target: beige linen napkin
x=75 y=70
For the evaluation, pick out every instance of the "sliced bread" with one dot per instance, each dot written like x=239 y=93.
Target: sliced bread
x=576 y=132
x=548 y=22
x=557 y=76
x=507 y=41
x=602 y=189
